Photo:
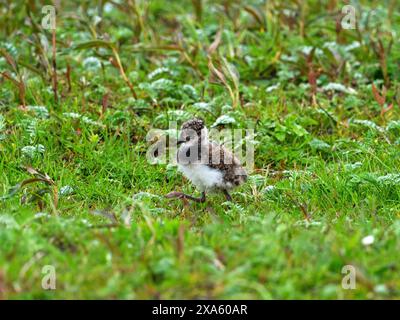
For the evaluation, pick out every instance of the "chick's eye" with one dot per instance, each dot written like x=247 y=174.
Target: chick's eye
x=187 y=138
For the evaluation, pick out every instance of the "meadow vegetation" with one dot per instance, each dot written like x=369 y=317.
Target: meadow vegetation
x=78 y=193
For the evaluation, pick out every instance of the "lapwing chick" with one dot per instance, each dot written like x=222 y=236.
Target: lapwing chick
x=208 y=165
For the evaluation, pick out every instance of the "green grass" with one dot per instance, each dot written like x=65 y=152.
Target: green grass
x=326 y=161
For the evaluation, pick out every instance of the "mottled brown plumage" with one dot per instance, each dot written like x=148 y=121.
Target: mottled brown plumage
x=195 y=124
x=228 y=164
x=208 y=165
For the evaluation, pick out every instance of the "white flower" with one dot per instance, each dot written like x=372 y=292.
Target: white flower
x=368 y=240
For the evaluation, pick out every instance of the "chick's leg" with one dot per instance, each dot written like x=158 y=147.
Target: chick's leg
x=227 y=195
x=181 y=195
